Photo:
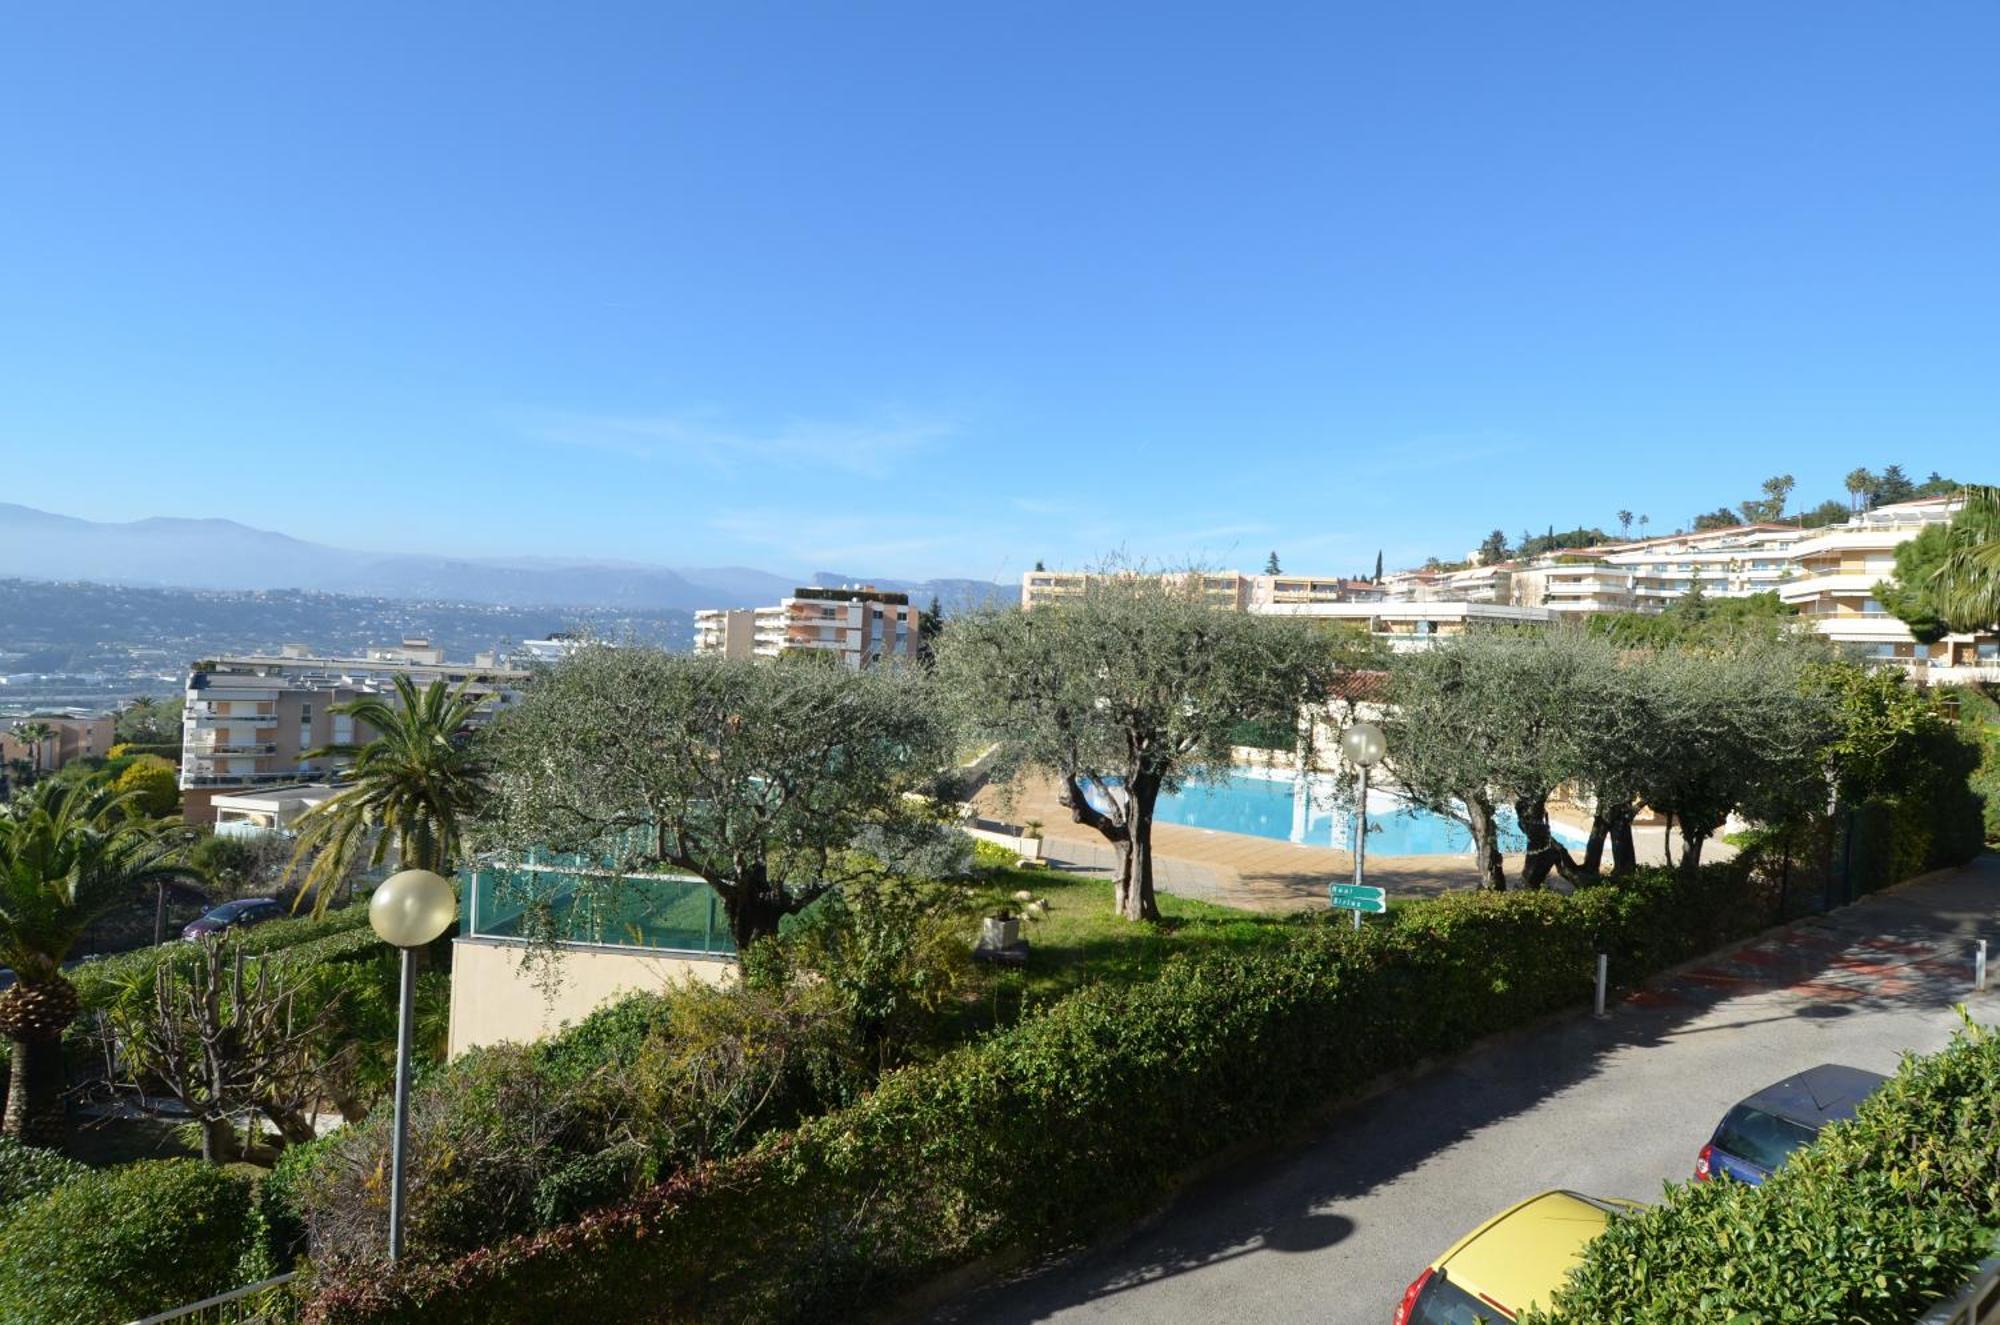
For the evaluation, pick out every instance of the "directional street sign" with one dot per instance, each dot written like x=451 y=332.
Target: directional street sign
x=1351 y=898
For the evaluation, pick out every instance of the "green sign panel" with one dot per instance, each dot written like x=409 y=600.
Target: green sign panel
x=1348 y=897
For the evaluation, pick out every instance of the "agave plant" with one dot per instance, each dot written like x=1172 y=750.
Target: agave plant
x=68 y=854
x=413 y=787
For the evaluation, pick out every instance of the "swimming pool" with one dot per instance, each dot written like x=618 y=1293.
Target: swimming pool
x=1307 y=810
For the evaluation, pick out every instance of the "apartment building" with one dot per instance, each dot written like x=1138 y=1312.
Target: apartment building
x=69 y=738
x=858 y=624
x=1407 y=627
x=1405 y=612
x=1836 y=570
x=1491 y=583
x=251 y=721
x=731 y=632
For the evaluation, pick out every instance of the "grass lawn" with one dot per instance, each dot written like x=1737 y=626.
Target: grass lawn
x=1081 y=940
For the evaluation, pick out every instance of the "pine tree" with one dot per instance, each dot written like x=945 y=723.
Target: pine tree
x=1271 y=565
x=1378 y=566
x=1039 y=567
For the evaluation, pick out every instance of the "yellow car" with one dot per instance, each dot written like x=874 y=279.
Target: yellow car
x=1509 y=1263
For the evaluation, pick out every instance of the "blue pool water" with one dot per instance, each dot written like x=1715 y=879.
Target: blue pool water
x=1306 y=810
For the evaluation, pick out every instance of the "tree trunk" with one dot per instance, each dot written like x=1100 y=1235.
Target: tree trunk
x=1691 y=840
x=1624 y=851
x=219 y=1142
x=1134 y=895
x=754 y=910
x=35 y=1093
x=1593 y=850
x=1545 y=854
x=1485 y=842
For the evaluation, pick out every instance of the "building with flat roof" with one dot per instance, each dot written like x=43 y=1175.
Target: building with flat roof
x=857 y=625
x=1836 y=570
x=69 y=737
x=252 y=721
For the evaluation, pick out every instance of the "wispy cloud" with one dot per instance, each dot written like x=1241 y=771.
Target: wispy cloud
x=872 y=447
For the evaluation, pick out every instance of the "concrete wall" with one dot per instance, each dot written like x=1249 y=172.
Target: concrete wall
x=493 y=999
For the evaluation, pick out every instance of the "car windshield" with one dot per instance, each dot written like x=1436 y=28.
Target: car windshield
x=1445 y=1303
x=1762 y=1138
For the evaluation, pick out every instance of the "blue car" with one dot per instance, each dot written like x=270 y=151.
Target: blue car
x=1761 y=1133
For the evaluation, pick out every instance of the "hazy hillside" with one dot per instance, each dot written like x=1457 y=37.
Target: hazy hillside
x=221 y=554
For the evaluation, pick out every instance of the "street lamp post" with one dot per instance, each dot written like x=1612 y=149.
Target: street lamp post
x=409 y=910
x=1363 y=745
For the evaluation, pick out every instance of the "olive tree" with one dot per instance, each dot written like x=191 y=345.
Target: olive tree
x=1733 y=729
x=756 y=777
x=1494 y=718
x=1128 y=689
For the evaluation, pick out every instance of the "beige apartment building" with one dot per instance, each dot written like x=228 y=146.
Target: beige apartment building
x=252 y=721
x=1251 y=593
x=69 y=738
x=858 y=625
x=1837 y=569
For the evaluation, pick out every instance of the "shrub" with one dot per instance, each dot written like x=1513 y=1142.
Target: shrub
x=28 y=1171
x=1873 y=1223
x=153 y=783
x=1083 y=1111
x=117 y=1244
x=337 y=936
x=511 y=1138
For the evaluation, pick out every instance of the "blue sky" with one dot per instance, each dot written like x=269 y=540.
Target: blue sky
x=943 y=289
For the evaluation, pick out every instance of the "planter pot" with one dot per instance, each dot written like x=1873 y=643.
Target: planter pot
x=1031 y=848
x=997 y=933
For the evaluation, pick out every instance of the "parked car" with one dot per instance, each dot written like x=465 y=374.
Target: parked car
x=1760 y=1133
x=239 y=914
x=1508 y=1263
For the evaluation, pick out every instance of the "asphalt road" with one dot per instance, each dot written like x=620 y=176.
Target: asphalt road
x=1333 y=1232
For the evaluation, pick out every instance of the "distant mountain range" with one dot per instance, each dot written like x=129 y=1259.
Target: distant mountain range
x=222 y=554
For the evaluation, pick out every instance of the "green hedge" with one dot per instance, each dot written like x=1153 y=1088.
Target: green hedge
x=327 y=938
x=1079 y=1114
x=1874 y=1223
x=28 y=1171
x=116 y=1244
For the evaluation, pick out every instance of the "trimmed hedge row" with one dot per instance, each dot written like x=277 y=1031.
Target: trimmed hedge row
x=1876 y=1221
x=1083 y=1112
x=312 y=939
x=115 y=1244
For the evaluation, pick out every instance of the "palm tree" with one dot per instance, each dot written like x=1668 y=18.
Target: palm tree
x=35 y=735
x=1644 y=520
x=68 y=854
x=1966 y=586
x=413 y=786
x=1860 y=483
x=1625 y=524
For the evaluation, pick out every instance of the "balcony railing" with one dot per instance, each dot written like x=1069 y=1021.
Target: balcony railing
x=591 y=906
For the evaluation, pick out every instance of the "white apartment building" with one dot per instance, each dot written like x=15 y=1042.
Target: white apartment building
x=251 y=721
x=1407 y=627
x=1836 y=571
x=1651 y=573
x=860 y=625
x=1402 y=611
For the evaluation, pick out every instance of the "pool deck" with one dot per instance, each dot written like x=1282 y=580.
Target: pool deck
x=1235 y=869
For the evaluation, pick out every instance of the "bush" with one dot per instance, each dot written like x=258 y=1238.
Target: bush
x=153 y=784
x=117 y=1244
x=510 y=1138
x=28 y=1171
x=1084 y=1111
x=340 y=935
x=1876 y=1221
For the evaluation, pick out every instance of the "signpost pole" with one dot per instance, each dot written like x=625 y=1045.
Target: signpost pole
x=1360 y=834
